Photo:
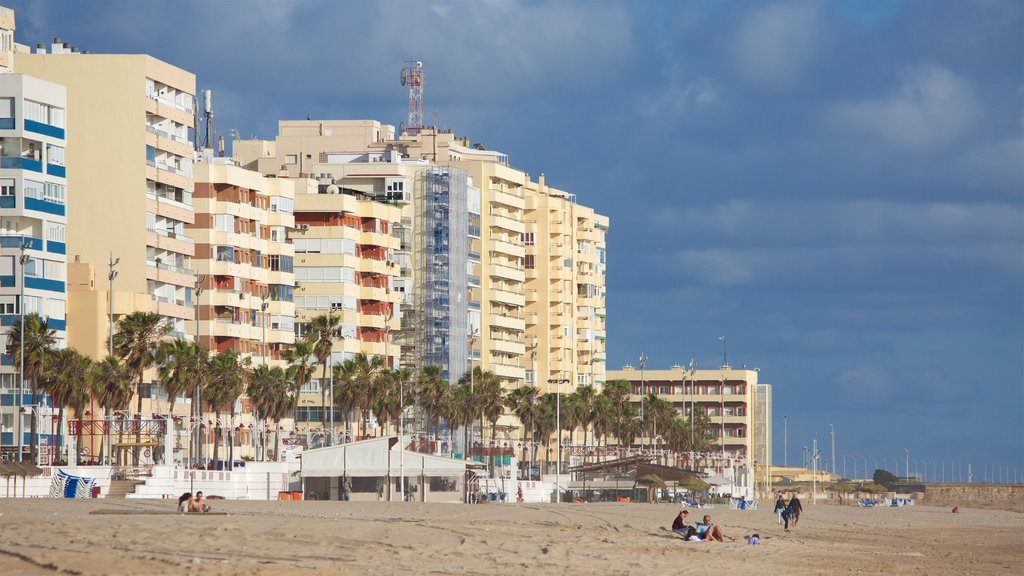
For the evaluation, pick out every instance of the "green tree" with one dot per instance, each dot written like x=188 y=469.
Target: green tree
x=136 y=342
x=430 y=389
x=227 y=381
x=67 y=382
x=180 y=368
x=269 y=392
x=524 y=403
x=323 y=331
x=111 y=386
x=39 y=343
x=587 y=400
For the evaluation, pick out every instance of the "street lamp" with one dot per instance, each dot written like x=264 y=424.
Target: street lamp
x=832 y=431
x=785 y=441
x=558 y=425
x=111 y=275
x=643 y=421
x=23 y=260
x=197 y=395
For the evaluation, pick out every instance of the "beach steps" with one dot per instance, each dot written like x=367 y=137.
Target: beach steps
x=122 y=488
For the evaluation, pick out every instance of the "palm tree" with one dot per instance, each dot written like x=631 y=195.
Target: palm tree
x=300 y=369
x=456 y=408
x=347 y=394
x=323 y=330
x=66 y=380
x=179 y=368
x=227 y=380
x=268 y=390
x=628 y=427
x=523 y=403
x=367 y=382
x=39 y=343
x=604 y=417
x=111 y=387
x=546 y=421
x=587 y=397
x=136 y=341
x=488 y=397
x=431 y=387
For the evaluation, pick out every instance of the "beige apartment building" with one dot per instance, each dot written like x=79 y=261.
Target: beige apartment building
x=131 y=169
x=353 y=258
x=244 y=261
x=738 y=406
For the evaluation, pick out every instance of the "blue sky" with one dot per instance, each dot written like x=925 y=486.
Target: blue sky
x=836 y=187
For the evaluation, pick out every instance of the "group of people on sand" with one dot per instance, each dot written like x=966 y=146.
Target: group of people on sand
x=189 y=503
x=706 y=531
x=700 y=532
x=788 y=512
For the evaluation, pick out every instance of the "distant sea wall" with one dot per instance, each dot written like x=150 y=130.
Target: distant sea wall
x=990 y=496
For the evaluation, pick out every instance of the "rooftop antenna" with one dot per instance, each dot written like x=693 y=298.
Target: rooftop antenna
x=412 y=76
x=208 y=114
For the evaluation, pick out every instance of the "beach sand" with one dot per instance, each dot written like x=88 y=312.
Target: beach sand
x=54 y=536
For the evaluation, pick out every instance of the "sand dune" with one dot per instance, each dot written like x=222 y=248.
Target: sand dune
x=42 y=535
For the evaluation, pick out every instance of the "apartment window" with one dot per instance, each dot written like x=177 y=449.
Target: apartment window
x=9 y=307
x=224 y=222
x=7 y=112
x=7 y=186
x=528 y=262
x=527 y=238
x=54 y=232
x=54 y=193
x=54 y=155
x=277 y=234
x=291 y=159
x=278 y=263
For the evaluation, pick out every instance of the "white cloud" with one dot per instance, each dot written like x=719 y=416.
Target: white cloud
x=774 y=45
x=678 y=96
x=930 y=108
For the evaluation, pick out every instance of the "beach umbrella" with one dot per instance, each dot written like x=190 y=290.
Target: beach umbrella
x=693 y=483
x=652 y=479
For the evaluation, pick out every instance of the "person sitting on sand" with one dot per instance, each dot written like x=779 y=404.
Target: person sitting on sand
x=198 y=504
x=708 y=531
x=754 y=539
x=184 y=502
x=679 y=525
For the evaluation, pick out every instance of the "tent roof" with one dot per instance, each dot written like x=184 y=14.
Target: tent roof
x=376 y=457
x=24 y=469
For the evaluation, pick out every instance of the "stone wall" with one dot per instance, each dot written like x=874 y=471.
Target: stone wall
x=991 y=496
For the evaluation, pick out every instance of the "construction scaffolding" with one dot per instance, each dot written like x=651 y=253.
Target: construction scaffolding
x=440 y=286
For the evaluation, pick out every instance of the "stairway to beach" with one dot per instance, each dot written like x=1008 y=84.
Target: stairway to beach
x=120 y=488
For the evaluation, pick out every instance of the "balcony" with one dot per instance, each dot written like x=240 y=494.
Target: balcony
x=44 y=129
x=507 y=273
x=507 y=223
x=508 y=346
x=510 y=298
x=18 y=163
x=508 y=322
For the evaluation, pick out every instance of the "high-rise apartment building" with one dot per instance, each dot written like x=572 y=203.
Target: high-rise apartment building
x=33 y=219
x=244 y=261
x=132 y=169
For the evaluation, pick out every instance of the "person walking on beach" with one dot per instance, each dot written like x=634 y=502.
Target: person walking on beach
x=794 y=503
x=780 y=505
x=346 y=488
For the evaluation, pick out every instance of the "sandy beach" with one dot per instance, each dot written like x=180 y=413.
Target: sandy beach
x=64 y=536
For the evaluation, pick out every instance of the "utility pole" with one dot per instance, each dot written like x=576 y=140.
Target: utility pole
x=643 y=421
x=23 y=260
x=111 y=275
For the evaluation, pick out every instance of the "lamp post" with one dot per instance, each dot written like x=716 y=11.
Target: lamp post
x=558 y=425
x=693 y=369
x=906 y=470
x=111 y=275
x=643 y=421
x=23 y=261
x=196 y=395
x=832 y=431
x=785 y=441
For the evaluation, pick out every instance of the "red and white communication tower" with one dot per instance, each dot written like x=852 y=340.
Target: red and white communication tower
x=412 y=75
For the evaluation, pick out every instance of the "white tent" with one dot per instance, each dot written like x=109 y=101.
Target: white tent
x=382 y=458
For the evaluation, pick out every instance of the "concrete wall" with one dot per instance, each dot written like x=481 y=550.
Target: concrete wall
x=990 y=496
